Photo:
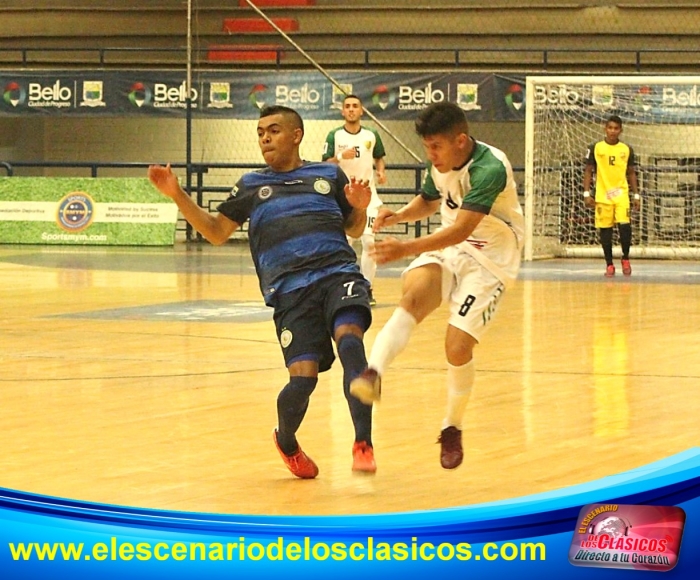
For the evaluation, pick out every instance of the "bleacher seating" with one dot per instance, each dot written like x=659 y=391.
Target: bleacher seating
x=553 y=35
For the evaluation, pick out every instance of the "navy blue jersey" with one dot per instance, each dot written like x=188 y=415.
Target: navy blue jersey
x=296 y=231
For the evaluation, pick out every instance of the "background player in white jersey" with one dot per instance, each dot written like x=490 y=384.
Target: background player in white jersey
x=359 y=151
x=469 y=261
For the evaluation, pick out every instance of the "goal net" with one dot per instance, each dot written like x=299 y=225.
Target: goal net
x=567 y=114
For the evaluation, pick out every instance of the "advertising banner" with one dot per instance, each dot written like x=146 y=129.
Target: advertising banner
x=388 y=95
x=652 y=100
x=85 y=211
x=241 y=95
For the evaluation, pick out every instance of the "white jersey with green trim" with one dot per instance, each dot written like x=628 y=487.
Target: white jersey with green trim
x=485 y=184
x=367 y=145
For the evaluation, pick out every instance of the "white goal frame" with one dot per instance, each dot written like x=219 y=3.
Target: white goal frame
x=690 y=252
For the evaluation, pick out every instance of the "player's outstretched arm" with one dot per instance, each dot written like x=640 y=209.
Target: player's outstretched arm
x=217 y=229
x=390 y=249
x=417 y=209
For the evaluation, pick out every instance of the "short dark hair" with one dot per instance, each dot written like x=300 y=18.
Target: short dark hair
x=614 y=119
x=442 y=118
x=352 y=96
x=287 y=112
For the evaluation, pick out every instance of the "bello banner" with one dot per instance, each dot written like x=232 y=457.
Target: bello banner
x=388 y=95
x=85 y=211
x=241 y=95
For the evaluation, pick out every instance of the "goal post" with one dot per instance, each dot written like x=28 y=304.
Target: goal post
x=661 y=122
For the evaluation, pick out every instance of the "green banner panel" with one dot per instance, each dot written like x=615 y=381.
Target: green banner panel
x=85 y=211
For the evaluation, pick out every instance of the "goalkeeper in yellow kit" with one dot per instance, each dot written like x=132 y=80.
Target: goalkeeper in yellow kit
x=614 y=165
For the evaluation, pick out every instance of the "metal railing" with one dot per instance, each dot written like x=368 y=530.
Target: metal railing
x=206 y=194
x=529 y=59
x=199 y=189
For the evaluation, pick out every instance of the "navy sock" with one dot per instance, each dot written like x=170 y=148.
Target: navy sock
x=292 y=403
x=351 y=351
x=606 y=240
x=625 y=231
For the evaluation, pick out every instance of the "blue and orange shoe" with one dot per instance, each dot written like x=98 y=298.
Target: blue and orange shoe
x=363 y=457
x=299 y=463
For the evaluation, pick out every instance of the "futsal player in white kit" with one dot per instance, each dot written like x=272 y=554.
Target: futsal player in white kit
x=360 y=153
x=469 y=261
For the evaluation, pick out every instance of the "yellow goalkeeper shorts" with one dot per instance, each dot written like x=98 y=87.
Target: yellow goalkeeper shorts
x=609 y=214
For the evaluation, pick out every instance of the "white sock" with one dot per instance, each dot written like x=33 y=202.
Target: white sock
x=368 y=266
x=391 y=340
x=459 y=386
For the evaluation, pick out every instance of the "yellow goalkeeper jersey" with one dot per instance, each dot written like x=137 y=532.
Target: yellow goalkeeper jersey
x=611 y=163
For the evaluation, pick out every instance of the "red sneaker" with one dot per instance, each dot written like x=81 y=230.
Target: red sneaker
x=451 y=453
x=300 y=464
x=626 y=268
x=367 y=387
x=363 y=457
x=610 y=271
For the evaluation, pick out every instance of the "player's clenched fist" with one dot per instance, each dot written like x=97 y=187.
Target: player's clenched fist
x=385 y=217
x=164 y=179
x=388 y=250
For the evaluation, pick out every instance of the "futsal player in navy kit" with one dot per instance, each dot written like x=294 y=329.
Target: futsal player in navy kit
x=300 y=214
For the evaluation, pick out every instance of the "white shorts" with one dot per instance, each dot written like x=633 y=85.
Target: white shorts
x=473 y=292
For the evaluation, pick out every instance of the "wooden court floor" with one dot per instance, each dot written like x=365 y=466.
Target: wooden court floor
x=148 y=377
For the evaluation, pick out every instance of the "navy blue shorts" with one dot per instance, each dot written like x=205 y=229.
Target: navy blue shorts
x=304 y=318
